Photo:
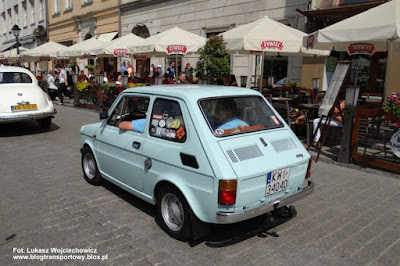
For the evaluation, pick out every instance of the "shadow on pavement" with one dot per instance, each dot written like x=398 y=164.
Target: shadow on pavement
x=23 y=128
x=129 y=198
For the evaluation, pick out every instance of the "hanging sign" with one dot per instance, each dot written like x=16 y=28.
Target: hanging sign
x=310 y=42
x=44 y=59
x=271 y=45
x=88 y=56
x=361 y=48
x=395 y=143
x=121 y=52
x=176 y=49
x=255 y=52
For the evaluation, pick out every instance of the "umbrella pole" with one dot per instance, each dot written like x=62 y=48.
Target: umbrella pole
x=176 y=65
x=261 y=72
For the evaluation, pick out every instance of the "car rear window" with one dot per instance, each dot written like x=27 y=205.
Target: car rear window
x=14 y=77
x=237 y=115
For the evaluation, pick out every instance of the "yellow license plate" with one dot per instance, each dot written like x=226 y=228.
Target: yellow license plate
x=24 y=107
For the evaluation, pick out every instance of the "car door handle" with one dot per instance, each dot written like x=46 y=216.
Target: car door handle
x=136 y=145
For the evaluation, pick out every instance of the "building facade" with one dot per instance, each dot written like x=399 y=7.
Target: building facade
x=206 y=17
x=30 y=16
x=73 y=21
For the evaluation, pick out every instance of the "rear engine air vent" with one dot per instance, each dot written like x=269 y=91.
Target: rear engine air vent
x=248 y=152
x=232 y=156
x=281 y=145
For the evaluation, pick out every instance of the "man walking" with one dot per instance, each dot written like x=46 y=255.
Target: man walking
x=123 y=68
x=171 y=70
x=62 y=77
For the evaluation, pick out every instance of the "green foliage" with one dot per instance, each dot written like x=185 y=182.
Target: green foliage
x=90 y=67
x=214 y=60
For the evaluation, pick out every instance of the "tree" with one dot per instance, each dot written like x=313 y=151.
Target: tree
x=214 y=60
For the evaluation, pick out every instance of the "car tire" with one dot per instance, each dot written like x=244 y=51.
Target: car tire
x=89 y=166
x=173 y=213
x=45 y=123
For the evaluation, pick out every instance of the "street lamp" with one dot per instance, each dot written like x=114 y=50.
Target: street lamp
x=100 y=79
x=124 y=81
x=350 y=107
x=16 y=30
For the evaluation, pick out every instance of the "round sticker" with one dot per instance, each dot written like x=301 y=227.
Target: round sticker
x=177 y=123
x=153 y=130
x=170 y=122
x=395 y=143
x=219 y=131
x=161 y=123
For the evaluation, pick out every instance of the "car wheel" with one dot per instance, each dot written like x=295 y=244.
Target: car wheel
x=45 y=122
x=89 y=166
x=173 y=213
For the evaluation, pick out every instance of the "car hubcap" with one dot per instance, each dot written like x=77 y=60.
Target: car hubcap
x=172 y=212
x=89 y=166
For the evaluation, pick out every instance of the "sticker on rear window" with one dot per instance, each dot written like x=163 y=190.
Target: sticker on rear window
x=219 y=131
x=275 y=120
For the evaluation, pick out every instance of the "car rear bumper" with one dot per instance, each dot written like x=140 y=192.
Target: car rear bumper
x=234 y=217
x=20 y=117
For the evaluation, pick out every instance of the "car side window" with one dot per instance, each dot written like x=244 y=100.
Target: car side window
x=167 y=121
x=130 y=108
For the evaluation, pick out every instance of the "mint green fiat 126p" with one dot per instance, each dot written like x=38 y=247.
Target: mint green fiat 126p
x=202 y=154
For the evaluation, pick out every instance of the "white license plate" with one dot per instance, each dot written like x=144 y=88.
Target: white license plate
x=277 y=181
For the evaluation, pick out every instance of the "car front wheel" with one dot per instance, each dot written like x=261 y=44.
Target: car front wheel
x=89 y=166
x=173 y=213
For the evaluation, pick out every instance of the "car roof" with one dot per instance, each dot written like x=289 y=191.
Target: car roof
x=193 y=92
x=14 y=69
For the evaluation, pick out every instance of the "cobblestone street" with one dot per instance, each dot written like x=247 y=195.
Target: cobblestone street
x=352 y=217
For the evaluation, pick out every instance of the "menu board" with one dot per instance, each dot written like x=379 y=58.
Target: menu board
x=331 y=94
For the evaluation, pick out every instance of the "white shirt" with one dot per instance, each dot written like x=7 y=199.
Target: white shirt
x=61 y=77
x=50 y=81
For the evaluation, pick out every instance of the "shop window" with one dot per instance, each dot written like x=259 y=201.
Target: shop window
x=167 y=121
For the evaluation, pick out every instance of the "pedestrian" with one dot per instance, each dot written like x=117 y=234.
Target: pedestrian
x=90 y=75
x=130 y=69
x=70 y=87
x=171 y=71
x=82 y=76
x=181 y=78
x=151 y=74
x=68 y=68
x=189 y=73
x=123 y=68
x=52 y=87
x=62 y=77
x=336 y=120
x=232 y=81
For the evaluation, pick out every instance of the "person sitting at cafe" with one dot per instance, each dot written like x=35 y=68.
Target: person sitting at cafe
x=226 y=113
x=336 y=121
x=181 y=78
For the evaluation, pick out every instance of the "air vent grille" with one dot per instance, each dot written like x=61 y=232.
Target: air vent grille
x=232 y=156
x=248 y=152
x=281 y=145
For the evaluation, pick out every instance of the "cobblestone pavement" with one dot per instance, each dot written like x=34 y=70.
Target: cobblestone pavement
x=352 y=218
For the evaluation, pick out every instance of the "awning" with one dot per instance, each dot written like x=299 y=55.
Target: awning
x=329 y=16
x=5 y=47
x=106 y=37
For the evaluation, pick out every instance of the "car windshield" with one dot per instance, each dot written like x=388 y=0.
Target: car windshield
x=14 y=77
x=236 y=115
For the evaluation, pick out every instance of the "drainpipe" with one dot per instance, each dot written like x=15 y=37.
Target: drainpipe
x=119 y=19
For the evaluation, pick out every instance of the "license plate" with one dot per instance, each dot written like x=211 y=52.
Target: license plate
x=277 y=181
x=23 y=107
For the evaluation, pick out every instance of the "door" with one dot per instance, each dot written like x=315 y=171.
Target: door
x=120 y=151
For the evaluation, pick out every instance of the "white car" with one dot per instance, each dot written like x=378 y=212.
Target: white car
x=21 y=98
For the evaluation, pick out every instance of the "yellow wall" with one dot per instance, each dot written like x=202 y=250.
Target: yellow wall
x=392 y=83
x=313 y=67
x=64 y=26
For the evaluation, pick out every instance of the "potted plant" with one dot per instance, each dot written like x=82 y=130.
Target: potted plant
x=392 y=108
x=110 y=91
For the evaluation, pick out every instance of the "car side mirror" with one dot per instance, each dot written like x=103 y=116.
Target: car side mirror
x=103 y=115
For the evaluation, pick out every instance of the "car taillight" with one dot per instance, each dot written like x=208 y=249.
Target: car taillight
x=227 y=192
x=309 y=169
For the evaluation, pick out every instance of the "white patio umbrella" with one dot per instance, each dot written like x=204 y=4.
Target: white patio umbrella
x=12 y=54
x=371 y=31
x=46 y=50
x=81 y=48
x=267 y=37
x=117 y=47
x=174 y=41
